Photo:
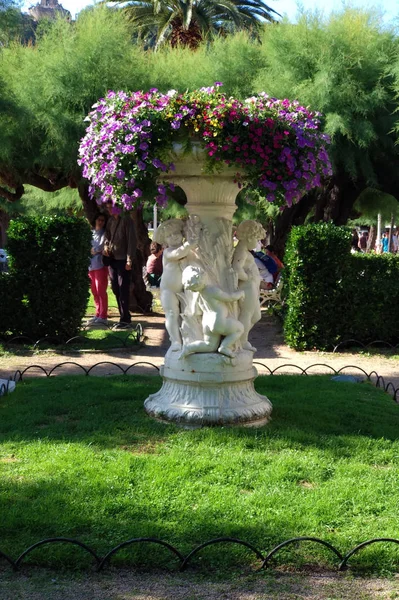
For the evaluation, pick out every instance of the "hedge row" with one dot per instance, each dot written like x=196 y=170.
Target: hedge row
x=46 y=291
x=333 y=295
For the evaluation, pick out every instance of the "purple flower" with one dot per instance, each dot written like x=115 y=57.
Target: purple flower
x=161 y=201
x=157 y=163
x=141 y=165
x=120 y=174
x=175 y=124
x=143 y=146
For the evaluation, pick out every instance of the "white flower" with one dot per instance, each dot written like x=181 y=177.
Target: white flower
x=171 y=93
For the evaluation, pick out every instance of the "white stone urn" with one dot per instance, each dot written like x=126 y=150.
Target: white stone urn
x=208 y=373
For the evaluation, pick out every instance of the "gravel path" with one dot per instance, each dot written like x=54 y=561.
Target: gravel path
x=266 y=336
x=38 y=584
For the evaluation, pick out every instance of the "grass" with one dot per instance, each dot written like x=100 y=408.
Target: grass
x=101 y=339
x=80 y=458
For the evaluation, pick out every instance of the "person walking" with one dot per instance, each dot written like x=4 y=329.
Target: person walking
x=120 y=249
x=98 y=273
x=385 y=242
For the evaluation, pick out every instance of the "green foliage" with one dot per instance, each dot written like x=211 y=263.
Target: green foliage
x=340 y=66
x=56 y=82
x=251 y=205
x=334 y=296
x=372 y=286
x=187 y=23
x=315 y=257
x=371 y=202
x=11 y=22
x=344 y=65
x=35 y=201
x=233 y=60
x=48 y=280
x=80 y=458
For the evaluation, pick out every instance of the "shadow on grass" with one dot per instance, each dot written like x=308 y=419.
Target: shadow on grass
x=109 y=411
x=81 y=459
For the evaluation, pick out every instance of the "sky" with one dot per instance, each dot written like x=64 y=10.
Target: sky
x=390 y=8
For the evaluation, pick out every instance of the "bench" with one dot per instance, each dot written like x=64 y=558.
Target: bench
x=272 y=297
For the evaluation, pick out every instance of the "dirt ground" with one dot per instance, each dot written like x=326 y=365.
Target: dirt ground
x=39 y=584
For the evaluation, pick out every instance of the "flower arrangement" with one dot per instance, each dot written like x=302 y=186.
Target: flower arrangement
x=276 y=146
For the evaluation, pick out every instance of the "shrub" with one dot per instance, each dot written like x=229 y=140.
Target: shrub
x=48 y=284
x=372 y=287
x=315 y=257
x=334 y=296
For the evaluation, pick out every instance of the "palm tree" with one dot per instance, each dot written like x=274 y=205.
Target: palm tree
x=187 y=23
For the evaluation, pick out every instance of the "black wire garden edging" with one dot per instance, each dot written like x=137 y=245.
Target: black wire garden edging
x=373 y=377
x=134 y=336
x=100 y=562
x=373 y=344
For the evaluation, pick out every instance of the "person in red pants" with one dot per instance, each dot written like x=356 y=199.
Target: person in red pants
x=98 y=273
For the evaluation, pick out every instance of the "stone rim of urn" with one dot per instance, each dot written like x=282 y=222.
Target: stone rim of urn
x=209 y=295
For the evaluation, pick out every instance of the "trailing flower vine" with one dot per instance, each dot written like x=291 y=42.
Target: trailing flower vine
x=276 y=146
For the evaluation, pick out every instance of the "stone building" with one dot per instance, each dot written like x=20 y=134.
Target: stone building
x=48 y=9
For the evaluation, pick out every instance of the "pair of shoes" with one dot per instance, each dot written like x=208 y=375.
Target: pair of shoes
x=91 y=321
x=122 y=325
x=100 y=321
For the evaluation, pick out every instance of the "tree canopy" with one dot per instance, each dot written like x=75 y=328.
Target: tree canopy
x=346 y=66
x=188 y=23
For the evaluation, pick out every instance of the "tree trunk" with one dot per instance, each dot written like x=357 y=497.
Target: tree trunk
x=140 y=298
x=295 y=215
x=378 y=246
x=333 y=203
x=336 y=201
x=89 y=205
x=371 y=240
x=390 y=233
x=4 y=223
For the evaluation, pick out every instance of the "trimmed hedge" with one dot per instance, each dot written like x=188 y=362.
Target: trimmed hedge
x=333 y=295
x=47 y=288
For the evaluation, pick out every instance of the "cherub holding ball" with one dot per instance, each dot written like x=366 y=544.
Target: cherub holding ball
x=220 y=331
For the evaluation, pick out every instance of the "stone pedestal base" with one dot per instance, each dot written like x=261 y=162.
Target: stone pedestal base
x=209 y=389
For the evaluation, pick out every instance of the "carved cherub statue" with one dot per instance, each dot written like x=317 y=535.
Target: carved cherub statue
x=248 y=234
x=215 y=315
x=170 y=234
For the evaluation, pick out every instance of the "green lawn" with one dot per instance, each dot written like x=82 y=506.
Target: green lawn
x=80 y=458
x=112 y=305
